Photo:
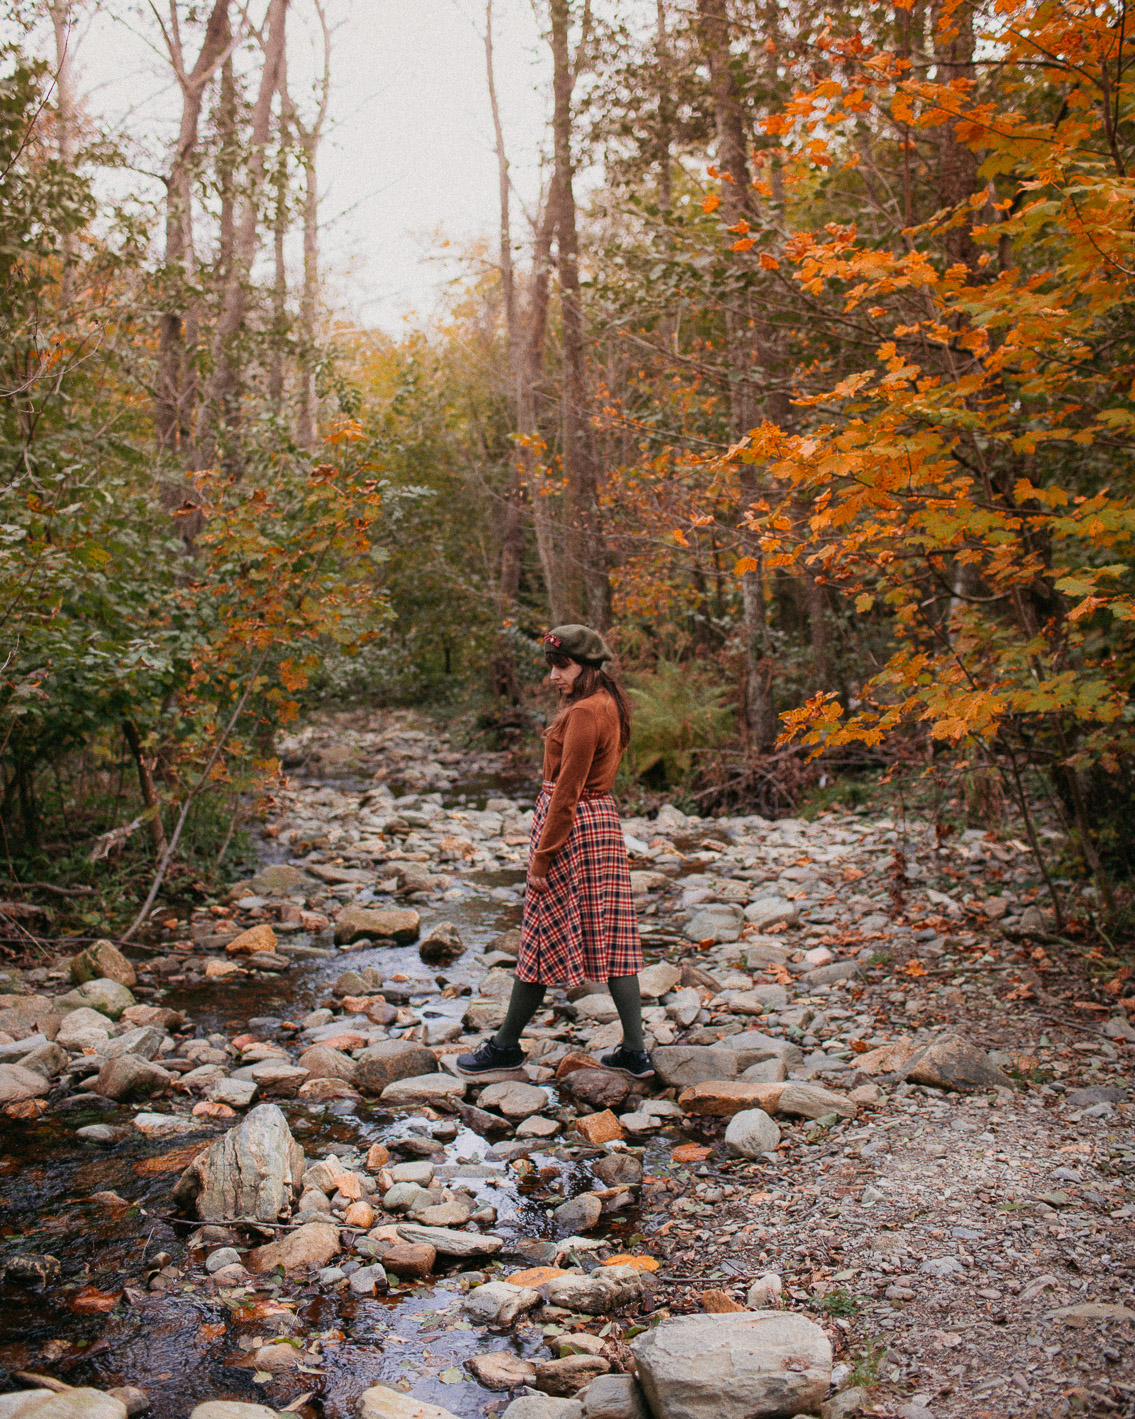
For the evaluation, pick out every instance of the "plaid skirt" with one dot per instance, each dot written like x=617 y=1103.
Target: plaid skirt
x=584 y=926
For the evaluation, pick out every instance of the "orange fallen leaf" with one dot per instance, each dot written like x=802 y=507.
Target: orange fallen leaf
x=175 y=1162
x=534 y=1276
x=915 y=968
x=640 y=1263
x=860 y=1046
x=690 y=1153
x=208 y=1109
x=26 y=1108
x=211 y=1330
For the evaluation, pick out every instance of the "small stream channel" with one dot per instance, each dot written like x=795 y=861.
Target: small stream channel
x=105 y=1213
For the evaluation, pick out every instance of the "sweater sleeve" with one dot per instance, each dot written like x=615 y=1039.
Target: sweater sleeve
x=581 y=736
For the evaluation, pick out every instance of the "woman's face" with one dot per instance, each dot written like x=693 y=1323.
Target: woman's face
x=563 y=677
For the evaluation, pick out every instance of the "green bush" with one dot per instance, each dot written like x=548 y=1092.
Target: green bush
x=678 y=714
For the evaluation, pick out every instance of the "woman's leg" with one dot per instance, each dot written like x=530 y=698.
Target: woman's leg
x=628 y=1002
x=525 y=1000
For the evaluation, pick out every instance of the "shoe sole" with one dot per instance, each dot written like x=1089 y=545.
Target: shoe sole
x=494 y=1076
x=629 y=1073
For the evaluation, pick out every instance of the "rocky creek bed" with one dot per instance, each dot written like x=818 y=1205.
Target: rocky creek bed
x=886 y=1166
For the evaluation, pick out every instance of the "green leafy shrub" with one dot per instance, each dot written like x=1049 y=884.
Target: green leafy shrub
x=678 y=714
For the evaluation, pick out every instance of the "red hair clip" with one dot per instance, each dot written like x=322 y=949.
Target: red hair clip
x=553 y=640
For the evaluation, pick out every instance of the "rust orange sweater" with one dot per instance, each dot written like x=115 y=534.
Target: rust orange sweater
x=582 y=752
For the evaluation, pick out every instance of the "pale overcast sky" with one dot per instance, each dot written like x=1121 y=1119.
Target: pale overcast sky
x=409 y=157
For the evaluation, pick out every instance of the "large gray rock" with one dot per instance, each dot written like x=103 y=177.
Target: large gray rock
x=67 y=1404
x=679 y=1066
x=604 y=1290
x=770 y=911
x=145 y=1041
x=614 y=1397
x=812 y=1101
x=382 y=1402
x=130 y=1077
x=326 y=1062
x=753 y=1047
x=742 y=1365
x=102 y=961
x=424 y=1089
x=254 y=1171
x=951 y=1062
x=232 y=1409
x=305 y=1248
x=498 y=1303
x=751 y=1133
x=18 y=1084
x=449 y=1242
x=106 y=996
x=717 y=921
x=543 y=1406
x=397 y=924
x=388 y=1061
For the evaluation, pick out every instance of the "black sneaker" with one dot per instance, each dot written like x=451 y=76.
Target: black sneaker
x=635 y=1062
x=491 y=1058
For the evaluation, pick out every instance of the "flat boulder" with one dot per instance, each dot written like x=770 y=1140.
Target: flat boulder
x=604 y=1290
x=278 y=879
x=771 y=911
x=424 y=1089
x=811 y=1101
x=887 y=1059
x=681 y=1065
x=514 y=1098
x=722 y=1098
x=324 y=1062
x=306 y=1249
x=389 y=1061
x=447 y=1241
x=952 y=1062
x=256 y=939
x=129 y=1076
x=753 y=1047
x=382 y=1402
x=658 y=980
x=102 y=961
x=398 y=924
x=600 y=1088
x=255 y=1171
x=66 y=1404
x=18 y=1084
x=734 y=1366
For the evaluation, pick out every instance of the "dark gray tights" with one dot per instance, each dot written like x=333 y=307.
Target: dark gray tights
x=526 y=1000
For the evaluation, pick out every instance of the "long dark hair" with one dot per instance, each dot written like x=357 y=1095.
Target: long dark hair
x=590 y=680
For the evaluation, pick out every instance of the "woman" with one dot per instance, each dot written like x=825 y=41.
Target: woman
x=579 y=917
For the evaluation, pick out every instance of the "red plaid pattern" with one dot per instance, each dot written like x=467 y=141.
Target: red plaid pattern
x=585 y=925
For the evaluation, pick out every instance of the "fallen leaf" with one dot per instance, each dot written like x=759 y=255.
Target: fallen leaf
x=91 y=1301
x=915 y=968
x=690 y=1153
x=26 y=1108
x=208 y=1109
x=640 y=1263
x=860 y=1046
x=173 y=1162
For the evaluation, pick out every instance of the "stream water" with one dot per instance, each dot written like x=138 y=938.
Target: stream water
x=107 y=1216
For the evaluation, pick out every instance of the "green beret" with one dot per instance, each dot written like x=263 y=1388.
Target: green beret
x=580 y=643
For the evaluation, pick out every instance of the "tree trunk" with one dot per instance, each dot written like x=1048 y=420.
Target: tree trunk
x=64 y=132
x=957 y=162
x=280 y=274
x=175 y=391
x=588 y=550
x=220 y=398
x=146 y=784
x=737 y=199
x=307 y=417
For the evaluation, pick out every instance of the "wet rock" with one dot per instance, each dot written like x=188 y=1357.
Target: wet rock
x=389 y=1061
x=232 y=1409
x=102 y=961
x=136 y=1400
x=501 y=1369
x=398 y=924
x=83 y=1028
x=323 y=1090
x=223 y=1256
x=571 y=1373
x=614 y=1397
x=514 y=1099
x=67 y=1404
x=771 y=911
x=406 y=1197
x=681 y=1065
x=618 y=1170
x=411 y=1260
x=508 y=942
x=579 y=1214
x=237 y=1093
x=845 y=1404
x=277 y=1358
x=751 y=1133
x=254 y=1171
x=454 y=1213
x=324 y=1062
x=724 y=1098
x=145 y=1041
x=600 y=1088
x=99 y=1133
x=604 y=1290
x=733 y=1366
x=306 y=1249
x=423 y=1089
x=452 y=1243
x=164 y=1125
x=421 y=1173
x=367 y=1280
x=253 y=941
x=106 y=996
x=599 y=1128
x=497 y=1303
x=18 y=1084
x=382 y=1402
x=951 y=1062
x=536 y=1127
x=443 y=945
x=130 y=1077
x=811 y=1101
x=30 y=1269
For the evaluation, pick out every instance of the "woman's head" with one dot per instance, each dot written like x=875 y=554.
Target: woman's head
x=577 y=658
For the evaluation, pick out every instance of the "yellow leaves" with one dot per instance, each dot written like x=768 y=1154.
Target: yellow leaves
x=745 y=565
x=769 y=262
x=863 y=602
x=711 y=203
x=638 y=1260
x=680 y=537
x=745 y=244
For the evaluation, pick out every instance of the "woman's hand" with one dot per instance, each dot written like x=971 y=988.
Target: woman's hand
x=537 y=884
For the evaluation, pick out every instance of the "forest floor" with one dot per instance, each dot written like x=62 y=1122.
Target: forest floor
x=946 y=1188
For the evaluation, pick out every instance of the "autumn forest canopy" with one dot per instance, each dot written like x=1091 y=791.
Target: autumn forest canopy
x=809 y=378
